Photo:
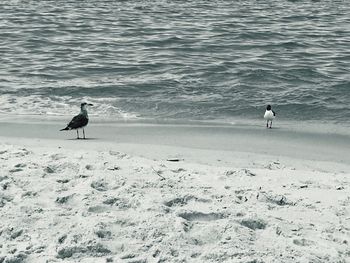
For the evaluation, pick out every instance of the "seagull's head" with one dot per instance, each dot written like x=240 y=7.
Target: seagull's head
x=84 y=105
x=268 y=107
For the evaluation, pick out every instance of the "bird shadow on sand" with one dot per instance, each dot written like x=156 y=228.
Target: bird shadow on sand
x=82 y=139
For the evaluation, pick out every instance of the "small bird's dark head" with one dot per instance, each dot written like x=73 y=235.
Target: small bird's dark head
x=84 y=104
x=268 y=107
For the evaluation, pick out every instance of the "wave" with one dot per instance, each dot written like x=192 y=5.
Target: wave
x=180 y=60
x=62 y=106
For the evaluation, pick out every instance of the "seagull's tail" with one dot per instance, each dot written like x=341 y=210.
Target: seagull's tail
x=65 y=129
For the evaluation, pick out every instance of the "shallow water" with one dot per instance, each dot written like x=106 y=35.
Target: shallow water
x=177 y=60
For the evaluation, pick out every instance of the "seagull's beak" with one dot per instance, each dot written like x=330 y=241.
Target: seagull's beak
x=90 y=104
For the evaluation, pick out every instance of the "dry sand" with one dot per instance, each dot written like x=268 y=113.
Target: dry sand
x=158 y=193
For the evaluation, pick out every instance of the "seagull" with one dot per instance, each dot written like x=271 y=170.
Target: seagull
x=79 y=121
x=269 y=116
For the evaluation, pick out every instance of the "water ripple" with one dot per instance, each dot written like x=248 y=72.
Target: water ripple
x=177 y=59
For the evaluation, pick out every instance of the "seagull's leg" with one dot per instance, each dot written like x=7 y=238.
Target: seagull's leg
x=267 y=124
x=78 y=134
x=84 y=133
x=271 y=125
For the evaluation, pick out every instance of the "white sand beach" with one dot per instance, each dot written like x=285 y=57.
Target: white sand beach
x=138 y=192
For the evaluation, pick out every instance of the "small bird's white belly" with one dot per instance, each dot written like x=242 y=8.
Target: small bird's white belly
x=269 y=115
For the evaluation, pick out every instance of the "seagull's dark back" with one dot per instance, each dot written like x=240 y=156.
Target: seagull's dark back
x=78 y=121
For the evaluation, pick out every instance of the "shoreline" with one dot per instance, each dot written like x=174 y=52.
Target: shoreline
x=279 y=141
x=305 y=126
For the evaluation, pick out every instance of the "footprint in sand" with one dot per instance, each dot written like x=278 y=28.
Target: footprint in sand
x=120 y=203
x=16 y=170
x=274 y=166
x=200 y=216
x=12 y=233
x=98 y=209
x=242 y=172
x=179 y=170
x=64 y=199
x=20 y=165
x=184 y=200
x=279 y=200
x=303 y=242
x=22 y=152
x=4 y=199
x=19 y=257
x=49 y=169
x=56 y=157
x=61 y=167
x=82 y=250
x=100 y=185
x=29 y=194
x=3 y=178
x=119 y=155
x=253 y=223
x=62 y=181
x=104 y=234
x=89 y=167
x=3 y=152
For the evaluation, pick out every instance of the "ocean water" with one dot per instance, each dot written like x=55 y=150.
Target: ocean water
x=177 y=60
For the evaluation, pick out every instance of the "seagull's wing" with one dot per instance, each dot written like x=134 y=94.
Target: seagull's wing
x=274 y=113
x=78 y=122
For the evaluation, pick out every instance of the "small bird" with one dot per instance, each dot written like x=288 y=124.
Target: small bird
x=269 y=116
x=79 y=121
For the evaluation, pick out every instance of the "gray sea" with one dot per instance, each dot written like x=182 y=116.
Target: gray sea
x=177 y=60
